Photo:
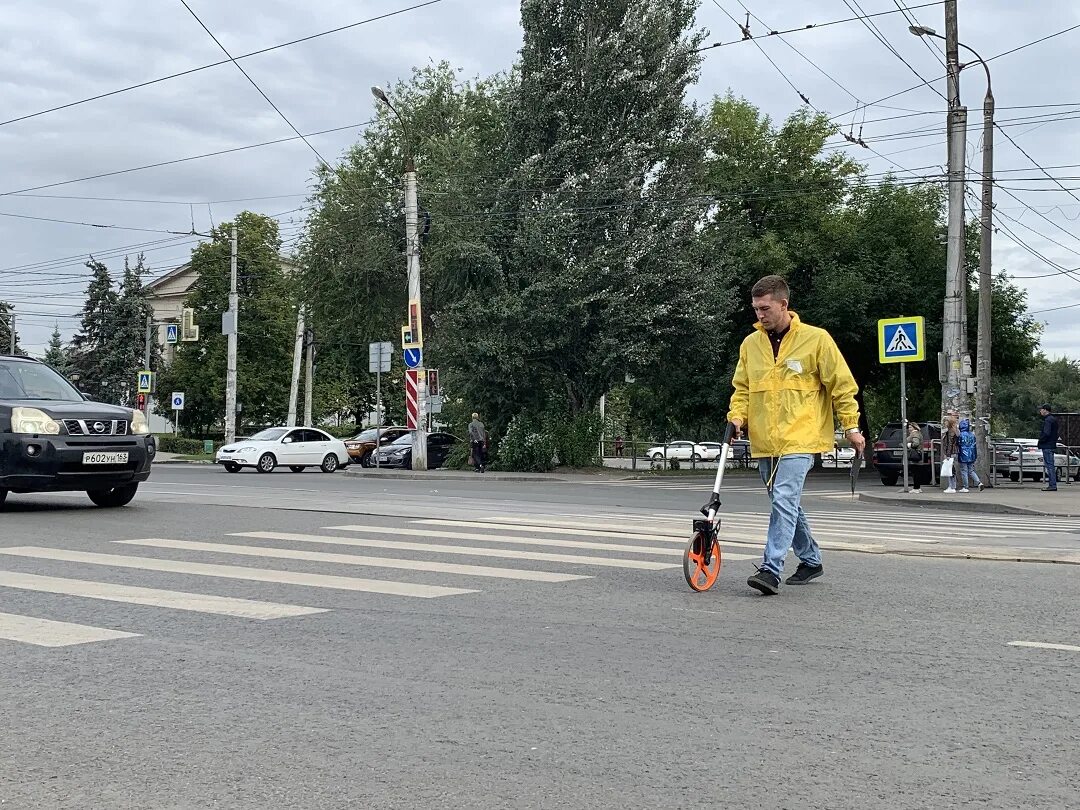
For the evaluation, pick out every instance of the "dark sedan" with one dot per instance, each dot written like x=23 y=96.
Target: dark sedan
x=399 y=452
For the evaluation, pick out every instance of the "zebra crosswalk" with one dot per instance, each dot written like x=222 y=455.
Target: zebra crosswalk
x=423 y=558
x=414 y=552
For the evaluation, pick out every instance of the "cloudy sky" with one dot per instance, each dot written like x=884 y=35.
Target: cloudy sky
x=55 y=52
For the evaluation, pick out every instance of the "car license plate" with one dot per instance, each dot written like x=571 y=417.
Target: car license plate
x=104 y=458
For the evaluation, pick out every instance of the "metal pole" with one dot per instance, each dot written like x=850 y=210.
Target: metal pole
x=11 y=327
x=308 y=374
x=412 y=242
x=953 y=391
x=378 y=407
x=298 y=353
x=230 y=373
x=903 y=425
x=984 y=347
x=146 y=359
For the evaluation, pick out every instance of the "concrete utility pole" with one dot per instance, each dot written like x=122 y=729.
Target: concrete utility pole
x=412 y=254
x=954 y=347
x=298 y=351
x=11 y=327
x=308 y=375
x=231 y=327
x=984 y=347
x=146 y=356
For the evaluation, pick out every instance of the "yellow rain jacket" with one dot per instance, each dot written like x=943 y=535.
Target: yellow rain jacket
x=788 y=404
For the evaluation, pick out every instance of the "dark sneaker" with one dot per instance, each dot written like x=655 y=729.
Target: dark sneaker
x=804 y=573
x=1049 y=489
x=765 y=581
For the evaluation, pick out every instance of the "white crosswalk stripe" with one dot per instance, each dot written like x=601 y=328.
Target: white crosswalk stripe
x=154 y=597
x=238 y=572
x=49 y=633
x=352 y=559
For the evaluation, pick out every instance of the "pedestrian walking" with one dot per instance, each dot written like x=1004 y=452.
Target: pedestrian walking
x=913 y=445
x=966 y=456
x=791 y=384
x=478 y=441
x=950 y=445
x=1048 y=441
x=618 y=446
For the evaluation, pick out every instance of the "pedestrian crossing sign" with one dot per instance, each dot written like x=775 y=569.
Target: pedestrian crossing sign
x=146 y=382
x=901 y=340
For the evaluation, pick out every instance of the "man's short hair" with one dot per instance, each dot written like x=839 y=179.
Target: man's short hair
x=774 y=286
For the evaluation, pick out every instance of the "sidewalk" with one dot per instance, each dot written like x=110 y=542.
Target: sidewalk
x=1008 y=499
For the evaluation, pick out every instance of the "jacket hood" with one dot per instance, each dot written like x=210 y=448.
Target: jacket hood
x=965 y=424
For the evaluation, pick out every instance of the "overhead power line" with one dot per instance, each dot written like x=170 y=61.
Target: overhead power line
x=218 y=63
x=253 y=83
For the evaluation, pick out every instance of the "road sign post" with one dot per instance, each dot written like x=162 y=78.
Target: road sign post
x=903 y=341
x=378 y=363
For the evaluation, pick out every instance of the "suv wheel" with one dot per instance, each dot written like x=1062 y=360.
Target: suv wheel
x=112 y=498
x=3 y=497
x=890 y=479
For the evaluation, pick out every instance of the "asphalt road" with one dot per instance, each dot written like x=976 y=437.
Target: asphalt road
x=546 y=653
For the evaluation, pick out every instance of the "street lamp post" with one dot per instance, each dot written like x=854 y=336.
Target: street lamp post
x=412 y=254
x=983 y=345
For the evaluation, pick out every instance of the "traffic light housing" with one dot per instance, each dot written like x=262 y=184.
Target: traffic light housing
x=140 y=402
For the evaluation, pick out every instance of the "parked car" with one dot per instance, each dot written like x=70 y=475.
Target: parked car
x=295 y=448
x=53 y=438
x=679 y=450
x=361 y=445
x=839 y=455
x=399 y=452
x=889 y=449
x=1033 y=467
x=711 y=450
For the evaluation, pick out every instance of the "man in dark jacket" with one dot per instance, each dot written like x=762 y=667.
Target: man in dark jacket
x=1048 y=441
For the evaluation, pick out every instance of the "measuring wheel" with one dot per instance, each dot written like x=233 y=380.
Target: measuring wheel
x=701 y=560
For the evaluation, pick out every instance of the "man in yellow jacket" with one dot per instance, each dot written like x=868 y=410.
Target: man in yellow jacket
x=791 y=385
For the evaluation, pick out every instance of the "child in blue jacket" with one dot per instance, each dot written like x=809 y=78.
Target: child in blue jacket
x=966 y=457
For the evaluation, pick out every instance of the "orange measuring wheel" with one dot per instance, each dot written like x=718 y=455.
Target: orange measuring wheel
x=701 y=560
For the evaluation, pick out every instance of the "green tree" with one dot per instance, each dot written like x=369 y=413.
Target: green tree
x=267 y=319
x=353 y=274
x=1017 y=396
x=597 y=271
x=57 y=355
x=5 y=330
x=97 y=356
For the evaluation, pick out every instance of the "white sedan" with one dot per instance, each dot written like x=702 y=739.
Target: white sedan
x=295 y=448
x=681 y=450
x=1034 y=468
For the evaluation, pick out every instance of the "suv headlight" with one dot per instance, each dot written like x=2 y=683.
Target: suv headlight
x=32 y=420
x=139 y=426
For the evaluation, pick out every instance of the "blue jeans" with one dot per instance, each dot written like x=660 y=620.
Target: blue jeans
x=788 y=528
x=1051 y=467
x=967 y=473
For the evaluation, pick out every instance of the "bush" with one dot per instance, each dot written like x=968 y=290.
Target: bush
x=180 y=445
x=526 y=447
x=458 y=457
x=577 y=440
x=344 y=431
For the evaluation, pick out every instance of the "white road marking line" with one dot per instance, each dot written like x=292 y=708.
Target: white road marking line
x=1040 y=645
x=498 y=538
x=153 y=597
x=436 y=548
x=49 y=633
x=239 y=572
x=351 y=559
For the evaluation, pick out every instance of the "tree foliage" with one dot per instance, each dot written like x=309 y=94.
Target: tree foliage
x=267 y=318
x=5 y=330
x=56 y=355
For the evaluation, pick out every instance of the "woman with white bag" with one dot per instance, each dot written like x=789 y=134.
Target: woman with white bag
x=950 y=445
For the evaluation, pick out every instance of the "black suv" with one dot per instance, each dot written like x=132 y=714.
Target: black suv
x=53 y=439
x=889 y=449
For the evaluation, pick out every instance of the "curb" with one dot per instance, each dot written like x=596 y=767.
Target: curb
x=181 y=461
x=964 y=506
x=406 y=475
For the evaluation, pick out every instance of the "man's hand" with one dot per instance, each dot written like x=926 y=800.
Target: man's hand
x=737 y=424
x=858 y=441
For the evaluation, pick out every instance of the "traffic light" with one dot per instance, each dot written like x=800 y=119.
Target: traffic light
x=140 y=402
